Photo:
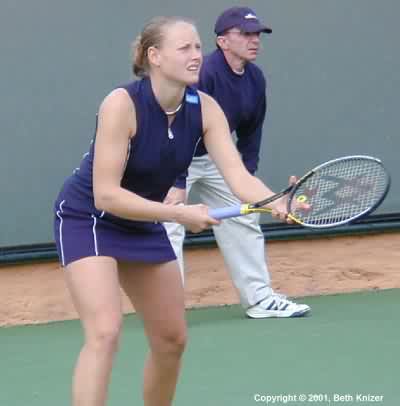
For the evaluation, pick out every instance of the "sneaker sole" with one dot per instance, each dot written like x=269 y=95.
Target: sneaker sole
x=269 y=314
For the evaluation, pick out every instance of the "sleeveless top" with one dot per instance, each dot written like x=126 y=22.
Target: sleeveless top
x=157 y=154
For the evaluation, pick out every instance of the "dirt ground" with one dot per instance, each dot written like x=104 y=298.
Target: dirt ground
x=35 y=293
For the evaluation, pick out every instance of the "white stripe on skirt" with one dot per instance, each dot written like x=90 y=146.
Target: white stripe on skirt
x=94 y=235
x=60 y=232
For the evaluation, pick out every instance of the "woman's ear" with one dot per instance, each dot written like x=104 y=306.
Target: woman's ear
x=153 y=56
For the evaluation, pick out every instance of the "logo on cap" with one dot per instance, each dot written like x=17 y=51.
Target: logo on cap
x=250 y=16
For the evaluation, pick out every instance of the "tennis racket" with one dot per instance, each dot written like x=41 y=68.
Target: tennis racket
x=337 y=192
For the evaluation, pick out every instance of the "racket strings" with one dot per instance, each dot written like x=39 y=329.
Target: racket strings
x=341 y=191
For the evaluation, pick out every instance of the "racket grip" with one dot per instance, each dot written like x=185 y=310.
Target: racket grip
x=226 y=212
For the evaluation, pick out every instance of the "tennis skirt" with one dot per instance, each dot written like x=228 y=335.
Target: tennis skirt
x=80 y=235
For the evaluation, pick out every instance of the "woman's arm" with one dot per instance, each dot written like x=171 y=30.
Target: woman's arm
x=219 y=144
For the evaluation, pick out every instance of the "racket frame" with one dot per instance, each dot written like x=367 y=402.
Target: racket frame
x=291 y=190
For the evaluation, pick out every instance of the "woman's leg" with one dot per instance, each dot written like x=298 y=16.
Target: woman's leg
x=95 y=290
x=156 y=292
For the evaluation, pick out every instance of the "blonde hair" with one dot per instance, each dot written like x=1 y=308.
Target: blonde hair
x=152 y=36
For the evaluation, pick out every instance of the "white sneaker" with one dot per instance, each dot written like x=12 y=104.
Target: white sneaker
x=277 y=305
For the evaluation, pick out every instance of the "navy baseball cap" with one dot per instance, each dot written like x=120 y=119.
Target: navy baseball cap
x=243 y=18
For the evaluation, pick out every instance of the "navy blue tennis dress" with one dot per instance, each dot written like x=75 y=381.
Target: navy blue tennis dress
x=156 y=156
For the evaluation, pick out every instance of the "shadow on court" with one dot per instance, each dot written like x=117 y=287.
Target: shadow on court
x=349 y=347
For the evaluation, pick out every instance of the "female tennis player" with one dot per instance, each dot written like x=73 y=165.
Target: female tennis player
x=109 y=213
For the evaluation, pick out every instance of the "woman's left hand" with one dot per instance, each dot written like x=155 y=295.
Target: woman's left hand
x=280 y=209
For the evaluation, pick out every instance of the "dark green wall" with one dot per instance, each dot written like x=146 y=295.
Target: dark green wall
x=333 y=68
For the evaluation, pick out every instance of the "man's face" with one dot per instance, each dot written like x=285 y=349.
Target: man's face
x=240 y=44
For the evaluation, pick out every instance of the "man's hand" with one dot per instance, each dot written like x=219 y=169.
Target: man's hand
x=175 y=196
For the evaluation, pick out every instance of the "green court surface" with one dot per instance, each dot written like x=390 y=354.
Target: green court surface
x=349 y=347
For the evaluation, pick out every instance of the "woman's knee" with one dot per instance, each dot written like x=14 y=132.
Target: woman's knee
x=169 y=342
x=103 y=333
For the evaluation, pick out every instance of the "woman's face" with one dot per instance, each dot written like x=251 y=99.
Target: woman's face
x=179 y=57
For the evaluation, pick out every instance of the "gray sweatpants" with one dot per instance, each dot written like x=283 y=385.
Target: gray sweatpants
x=240 y=239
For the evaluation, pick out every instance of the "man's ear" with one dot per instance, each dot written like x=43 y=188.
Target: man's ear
x=222 y=42
x=153 y=56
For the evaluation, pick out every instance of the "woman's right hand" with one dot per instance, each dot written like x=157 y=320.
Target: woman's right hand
x=196 y=217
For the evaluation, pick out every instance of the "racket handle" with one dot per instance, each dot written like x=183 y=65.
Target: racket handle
x=226 y=212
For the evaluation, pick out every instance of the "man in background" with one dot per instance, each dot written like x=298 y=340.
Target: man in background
x=230 y=76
